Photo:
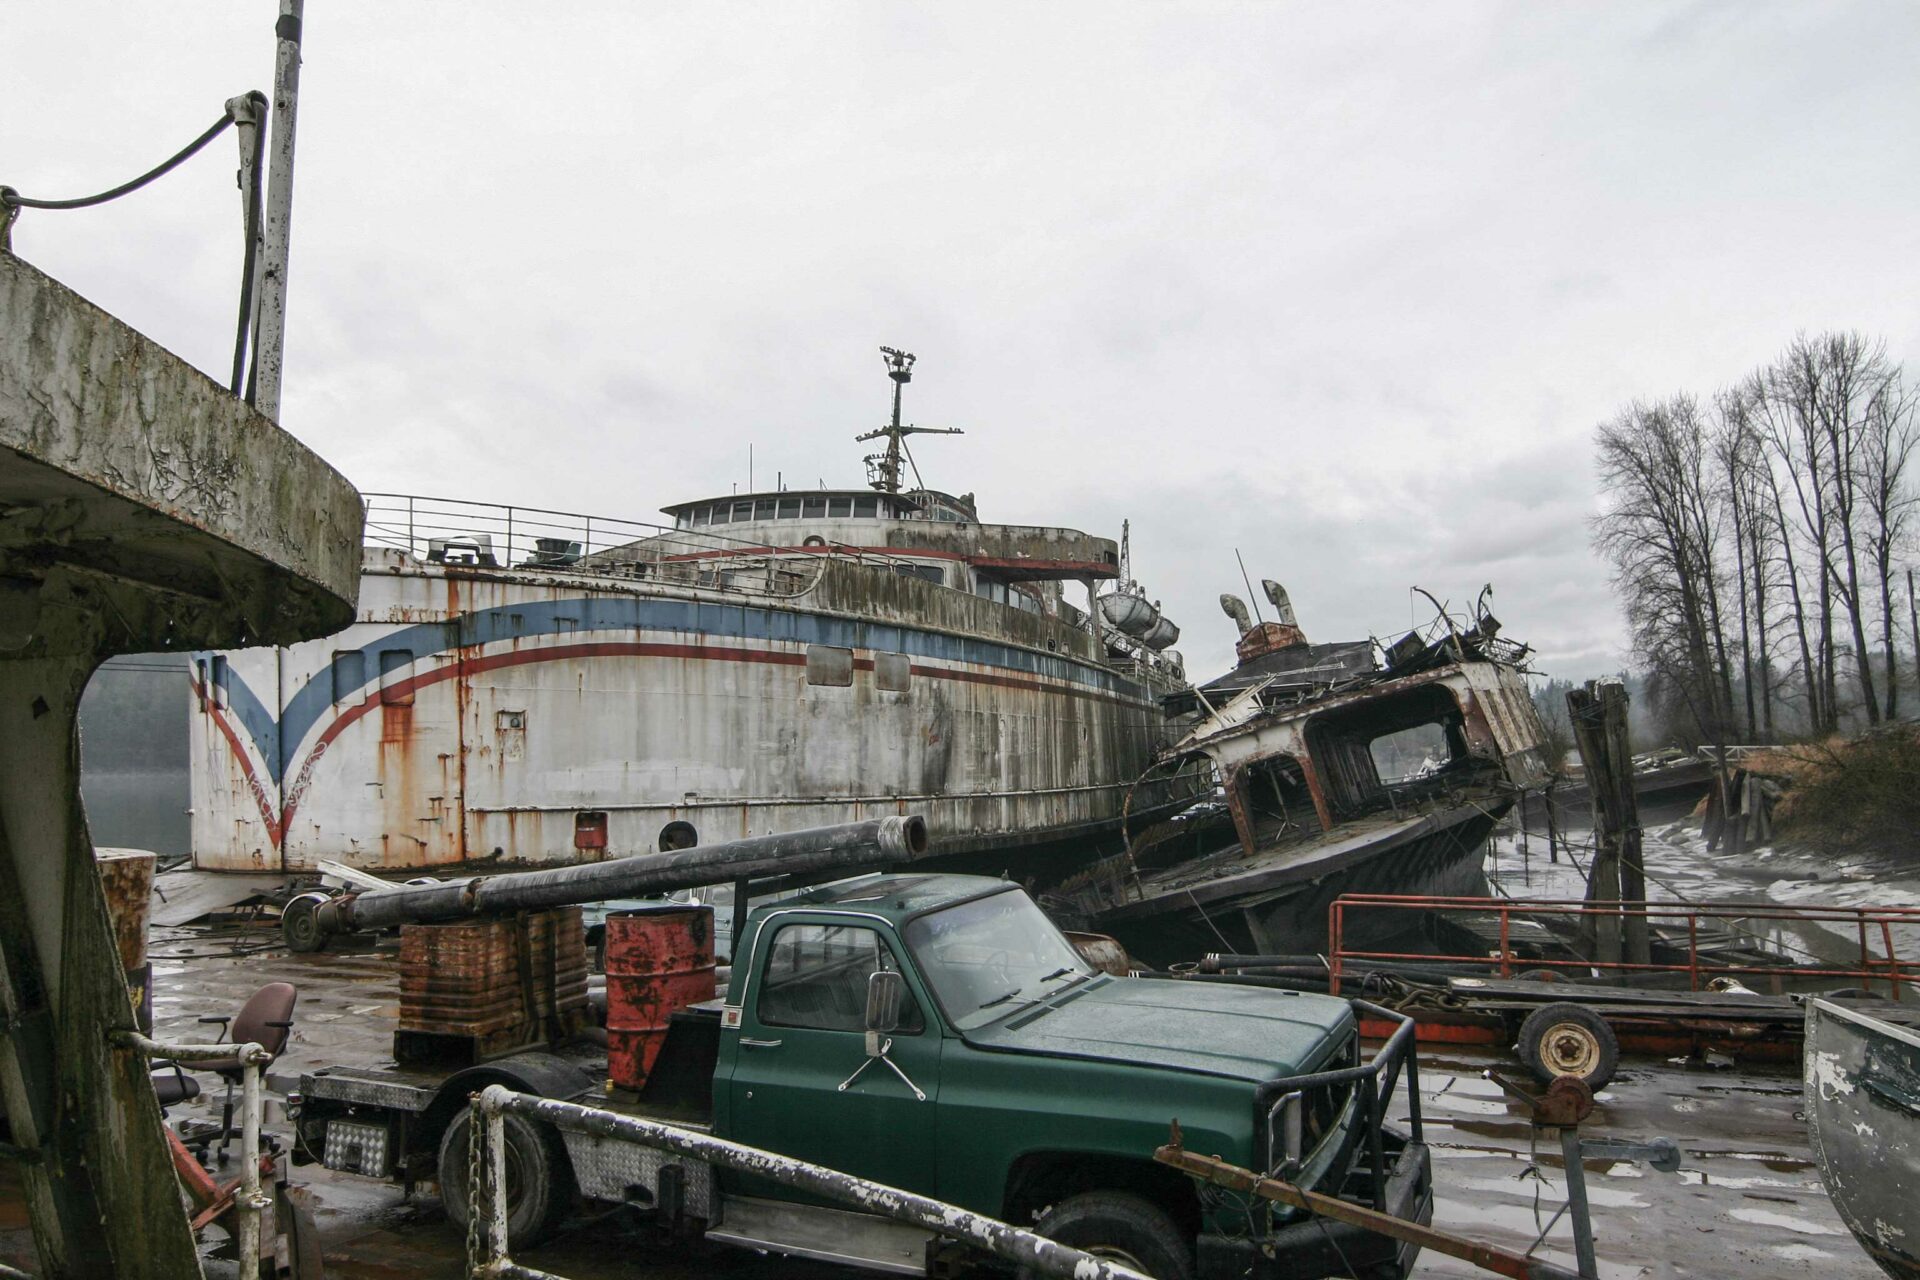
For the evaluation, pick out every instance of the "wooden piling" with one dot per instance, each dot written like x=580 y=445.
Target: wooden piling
x=1599 y=716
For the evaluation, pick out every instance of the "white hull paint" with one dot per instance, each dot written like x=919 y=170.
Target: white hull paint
x=550 y=716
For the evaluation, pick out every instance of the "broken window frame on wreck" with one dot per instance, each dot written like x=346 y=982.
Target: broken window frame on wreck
x=1339 y=742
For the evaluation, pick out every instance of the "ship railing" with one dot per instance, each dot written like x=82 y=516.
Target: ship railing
x=457 y=531
x=1706 y=940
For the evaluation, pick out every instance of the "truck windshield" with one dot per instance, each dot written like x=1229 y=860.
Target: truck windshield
x=988 y=957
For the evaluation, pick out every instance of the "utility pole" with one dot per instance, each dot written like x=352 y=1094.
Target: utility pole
x=270 y=299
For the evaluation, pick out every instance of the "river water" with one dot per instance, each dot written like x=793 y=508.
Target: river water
x=1680 y=868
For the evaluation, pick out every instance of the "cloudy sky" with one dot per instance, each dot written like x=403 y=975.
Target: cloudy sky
x=1344 y=287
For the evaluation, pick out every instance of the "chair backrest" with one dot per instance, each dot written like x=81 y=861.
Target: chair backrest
x=271 y=1003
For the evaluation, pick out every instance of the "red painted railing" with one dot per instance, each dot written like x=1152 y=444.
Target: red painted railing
x=1868 y=924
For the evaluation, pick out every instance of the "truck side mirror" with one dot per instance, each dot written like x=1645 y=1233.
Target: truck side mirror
x=886 y=990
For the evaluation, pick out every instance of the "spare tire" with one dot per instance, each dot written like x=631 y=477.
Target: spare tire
x=1568 y=1040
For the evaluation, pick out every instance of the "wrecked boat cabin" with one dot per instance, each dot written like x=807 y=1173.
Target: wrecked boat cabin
x=1342 y=767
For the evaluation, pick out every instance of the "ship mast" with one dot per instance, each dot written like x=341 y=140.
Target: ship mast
x=883 y=469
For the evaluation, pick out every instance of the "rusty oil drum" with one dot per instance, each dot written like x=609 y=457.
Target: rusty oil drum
x=659 y=959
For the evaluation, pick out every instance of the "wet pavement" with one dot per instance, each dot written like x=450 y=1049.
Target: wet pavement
x=1746 y=1201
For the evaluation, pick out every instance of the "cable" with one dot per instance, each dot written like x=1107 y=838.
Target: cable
x=8 y=196
x=254 y=199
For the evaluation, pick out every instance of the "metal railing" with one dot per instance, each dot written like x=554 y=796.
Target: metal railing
x=1866 y=924
x=491 y=535
x=489 y=1205
x=252 y=1059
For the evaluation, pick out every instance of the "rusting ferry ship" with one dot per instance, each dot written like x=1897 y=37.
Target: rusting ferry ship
x=1343 y=768
x=532 y=687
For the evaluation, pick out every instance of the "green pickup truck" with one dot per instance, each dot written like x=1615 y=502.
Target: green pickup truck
x=938 y=1034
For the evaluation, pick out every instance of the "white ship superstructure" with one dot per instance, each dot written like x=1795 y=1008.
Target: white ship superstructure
x=536 y=687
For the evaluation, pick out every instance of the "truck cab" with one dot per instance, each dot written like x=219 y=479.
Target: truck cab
x=938 y=1034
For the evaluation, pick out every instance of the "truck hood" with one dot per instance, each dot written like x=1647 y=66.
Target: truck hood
x=1212 y=1028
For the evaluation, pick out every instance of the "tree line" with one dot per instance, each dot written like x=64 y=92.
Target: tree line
x=1758 y=540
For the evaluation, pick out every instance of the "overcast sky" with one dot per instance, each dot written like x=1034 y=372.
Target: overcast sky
x=1344 y=287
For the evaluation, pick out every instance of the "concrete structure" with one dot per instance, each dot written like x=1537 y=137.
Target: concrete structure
x=142 y=508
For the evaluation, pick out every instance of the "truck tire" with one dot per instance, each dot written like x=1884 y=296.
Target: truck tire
x=1568 y=1040
x=540 y=1186
x=1119 y=1227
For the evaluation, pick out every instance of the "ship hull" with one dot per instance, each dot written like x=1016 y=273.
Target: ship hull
x=535 y=718
x=1275 y=902
x=1863 y=1117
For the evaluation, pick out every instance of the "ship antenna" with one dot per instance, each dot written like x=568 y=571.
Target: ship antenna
x=1249 y=581
x=883 y=469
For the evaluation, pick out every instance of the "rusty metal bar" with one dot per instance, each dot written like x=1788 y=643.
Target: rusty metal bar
x=1485 y=1256
x=1021 y=1247
x=849 y=847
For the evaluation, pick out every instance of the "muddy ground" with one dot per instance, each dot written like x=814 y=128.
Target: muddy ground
x=1747 y=1201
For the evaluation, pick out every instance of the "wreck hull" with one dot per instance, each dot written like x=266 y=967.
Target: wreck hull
x=539 y=718
x=1276 y=902
x=1863 y=1118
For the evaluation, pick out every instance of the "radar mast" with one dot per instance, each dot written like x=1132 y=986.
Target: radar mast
x=883 y=469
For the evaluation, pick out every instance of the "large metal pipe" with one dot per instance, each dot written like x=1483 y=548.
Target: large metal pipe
x=849 y=847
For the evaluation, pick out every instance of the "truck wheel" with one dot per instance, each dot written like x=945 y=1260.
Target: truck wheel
x=1121 y=1228
x=540 y=1187
x=1568 y=1040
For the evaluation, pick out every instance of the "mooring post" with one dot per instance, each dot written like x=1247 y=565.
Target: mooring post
x=1599 y=716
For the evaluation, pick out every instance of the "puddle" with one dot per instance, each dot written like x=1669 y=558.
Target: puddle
x=1787 y=1222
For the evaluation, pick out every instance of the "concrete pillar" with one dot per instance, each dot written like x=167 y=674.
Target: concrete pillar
x=142 y=508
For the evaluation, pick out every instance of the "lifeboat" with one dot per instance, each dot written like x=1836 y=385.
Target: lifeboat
x=1130 y=613
x=1161 y=635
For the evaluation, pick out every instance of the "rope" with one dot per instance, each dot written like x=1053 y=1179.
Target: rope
x=10 y=197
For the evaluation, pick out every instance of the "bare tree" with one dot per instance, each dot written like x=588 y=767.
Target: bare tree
x=1660 y=533
x=1887 y=443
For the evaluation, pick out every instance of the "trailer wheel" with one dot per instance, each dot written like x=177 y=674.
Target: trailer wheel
x=1121 y=1228
x=540 y=1186
x=1568 y=1040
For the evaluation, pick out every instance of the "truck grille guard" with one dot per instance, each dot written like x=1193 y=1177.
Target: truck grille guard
x=1294 y=1115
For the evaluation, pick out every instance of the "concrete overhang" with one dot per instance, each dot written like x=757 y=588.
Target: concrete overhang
x=143 y=506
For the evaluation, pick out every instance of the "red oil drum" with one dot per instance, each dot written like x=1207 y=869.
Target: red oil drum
x=659 y=959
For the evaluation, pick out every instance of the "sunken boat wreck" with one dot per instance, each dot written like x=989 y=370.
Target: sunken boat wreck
x=1342 y=768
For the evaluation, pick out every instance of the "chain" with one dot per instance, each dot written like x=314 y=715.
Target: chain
x=476 y=1139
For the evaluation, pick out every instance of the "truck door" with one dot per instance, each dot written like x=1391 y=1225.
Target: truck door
x=802 y=1034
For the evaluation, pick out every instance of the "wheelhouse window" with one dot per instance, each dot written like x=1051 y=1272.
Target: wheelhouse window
x=866 y=508
x=702 y=516
x=764 y=509
x=817 y=974
x=933 y=573
x=742 y=511
x=789 y=508
x=813 y=508
x=840 y=506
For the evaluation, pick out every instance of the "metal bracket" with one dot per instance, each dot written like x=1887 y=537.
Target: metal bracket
x=881 y=1056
